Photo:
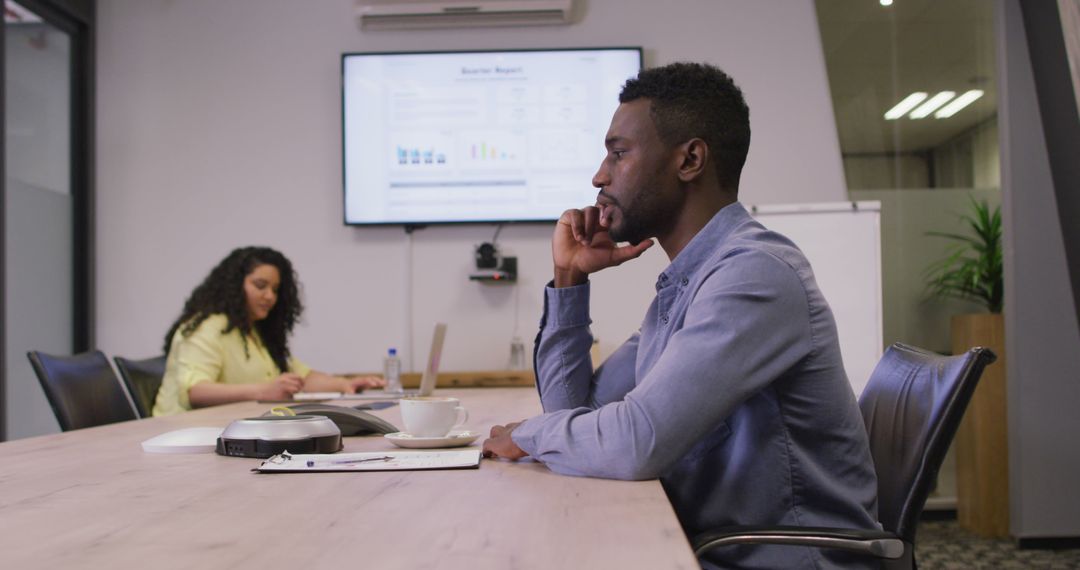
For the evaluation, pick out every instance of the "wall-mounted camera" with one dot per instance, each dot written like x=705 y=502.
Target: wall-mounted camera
x=492 y=267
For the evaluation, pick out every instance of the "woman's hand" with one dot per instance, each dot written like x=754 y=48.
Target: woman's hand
x=322 y=382
x=282 y=387
x=355 y=384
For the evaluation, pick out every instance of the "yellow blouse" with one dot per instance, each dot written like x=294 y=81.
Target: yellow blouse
x=207 y=355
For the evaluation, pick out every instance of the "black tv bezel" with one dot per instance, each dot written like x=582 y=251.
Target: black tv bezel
x=423 y=223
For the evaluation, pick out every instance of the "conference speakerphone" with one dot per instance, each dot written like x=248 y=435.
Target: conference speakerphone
x=266 y=436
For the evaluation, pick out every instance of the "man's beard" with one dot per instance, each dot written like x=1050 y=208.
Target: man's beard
x=631 y=228
x=642 y=218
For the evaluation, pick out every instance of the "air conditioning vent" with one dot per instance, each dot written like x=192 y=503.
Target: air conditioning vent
x=409 y=14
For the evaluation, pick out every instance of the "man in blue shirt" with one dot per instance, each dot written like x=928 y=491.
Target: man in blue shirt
x=733 y=391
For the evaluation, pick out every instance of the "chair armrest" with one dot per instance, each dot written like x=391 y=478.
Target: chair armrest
x=873 y=542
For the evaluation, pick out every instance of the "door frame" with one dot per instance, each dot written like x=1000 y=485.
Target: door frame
x=77 y=19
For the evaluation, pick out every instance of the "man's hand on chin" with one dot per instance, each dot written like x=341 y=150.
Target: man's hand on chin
x=500 y=445
x=581 y=246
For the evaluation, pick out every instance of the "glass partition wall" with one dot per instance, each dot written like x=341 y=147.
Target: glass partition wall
x=914 y=94
x=45 y=226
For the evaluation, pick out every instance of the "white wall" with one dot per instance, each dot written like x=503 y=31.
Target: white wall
x=219 y=126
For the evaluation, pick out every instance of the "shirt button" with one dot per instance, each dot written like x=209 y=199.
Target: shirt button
x=664 y=318
x=684 y=281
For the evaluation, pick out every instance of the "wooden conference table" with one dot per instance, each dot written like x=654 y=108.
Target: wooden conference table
x=93 y=499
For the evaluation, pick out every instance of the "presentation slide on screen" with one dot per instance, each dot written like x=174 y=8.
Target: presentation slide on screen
x=453 y=137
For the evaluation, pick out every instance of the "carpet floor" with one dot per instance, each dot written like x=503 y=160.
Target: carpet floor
x=945 y=545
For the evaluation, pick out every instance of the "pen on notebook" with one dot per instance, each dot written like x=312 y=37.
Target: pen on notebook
x=348 y=461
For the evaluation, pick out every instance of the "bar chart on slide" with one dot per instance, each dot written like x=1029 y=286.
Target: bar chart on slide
x=491 y=149
x=418 y=151
x=417 y=156
x=485 y=152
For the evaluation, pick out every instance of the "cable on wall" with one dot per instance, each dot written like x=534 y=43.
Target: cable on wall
x=409 y=300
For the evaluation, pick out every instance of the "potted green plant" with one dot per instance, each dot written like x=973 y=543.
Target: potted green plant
x=972 y=270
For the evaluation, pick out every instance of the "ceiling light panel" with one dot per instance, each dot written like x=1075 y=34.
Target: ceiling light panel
x=931 y=104
x=906 y=105
x=960 y=102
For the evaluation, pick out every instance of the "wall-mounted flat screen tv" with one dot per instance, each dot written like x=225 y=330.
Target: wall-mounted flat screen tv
x=478 y=136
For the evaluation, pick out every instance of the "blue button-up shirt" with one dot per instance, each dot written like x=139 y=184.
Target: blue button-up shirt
x=733 y=393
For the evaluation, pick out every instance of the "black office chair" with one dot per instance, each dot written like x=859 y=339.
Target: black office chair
x=912 y=407
x=143 y=379
x=82 y=389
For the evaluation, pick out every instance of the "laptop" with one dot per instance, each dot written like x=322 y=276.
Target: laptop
x=427 y=380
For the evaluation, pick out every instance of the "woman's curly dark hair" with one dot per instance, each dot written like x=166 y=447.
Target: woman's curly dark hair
x=223 y=292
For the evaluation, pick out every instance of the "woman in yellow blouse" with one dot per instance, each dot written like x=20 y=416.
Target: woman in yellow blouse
x=231 y=342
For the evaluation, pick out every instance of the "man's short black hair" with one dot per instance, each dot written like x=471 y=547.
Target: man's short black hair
x=697 y=100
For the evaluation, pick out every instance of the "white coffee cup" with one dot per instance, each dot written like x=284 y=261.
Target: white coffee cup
x=432 y=416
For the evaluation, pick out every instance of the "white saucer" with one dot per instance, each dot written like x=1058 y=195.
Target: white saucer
x=452 y=439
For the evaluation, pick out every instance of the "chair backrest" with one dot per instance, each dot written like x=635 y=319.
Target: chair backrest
x=82 y=389
x=912 y=406
x=143 y=379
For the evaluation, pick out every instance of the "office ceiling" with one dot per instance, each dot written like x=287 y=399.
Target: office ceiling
x=877 y=55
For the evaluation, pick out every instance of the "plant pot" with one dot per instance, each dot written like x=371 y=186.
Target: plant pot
x=982 y=458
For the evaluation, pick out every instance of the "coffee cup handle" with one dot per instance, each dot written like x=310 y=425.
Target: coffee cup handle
x=462 y=412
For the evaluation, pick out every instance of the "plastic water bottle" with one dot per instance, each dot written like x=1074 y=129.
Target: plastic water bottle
x=392 y=371
x=517 y=354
